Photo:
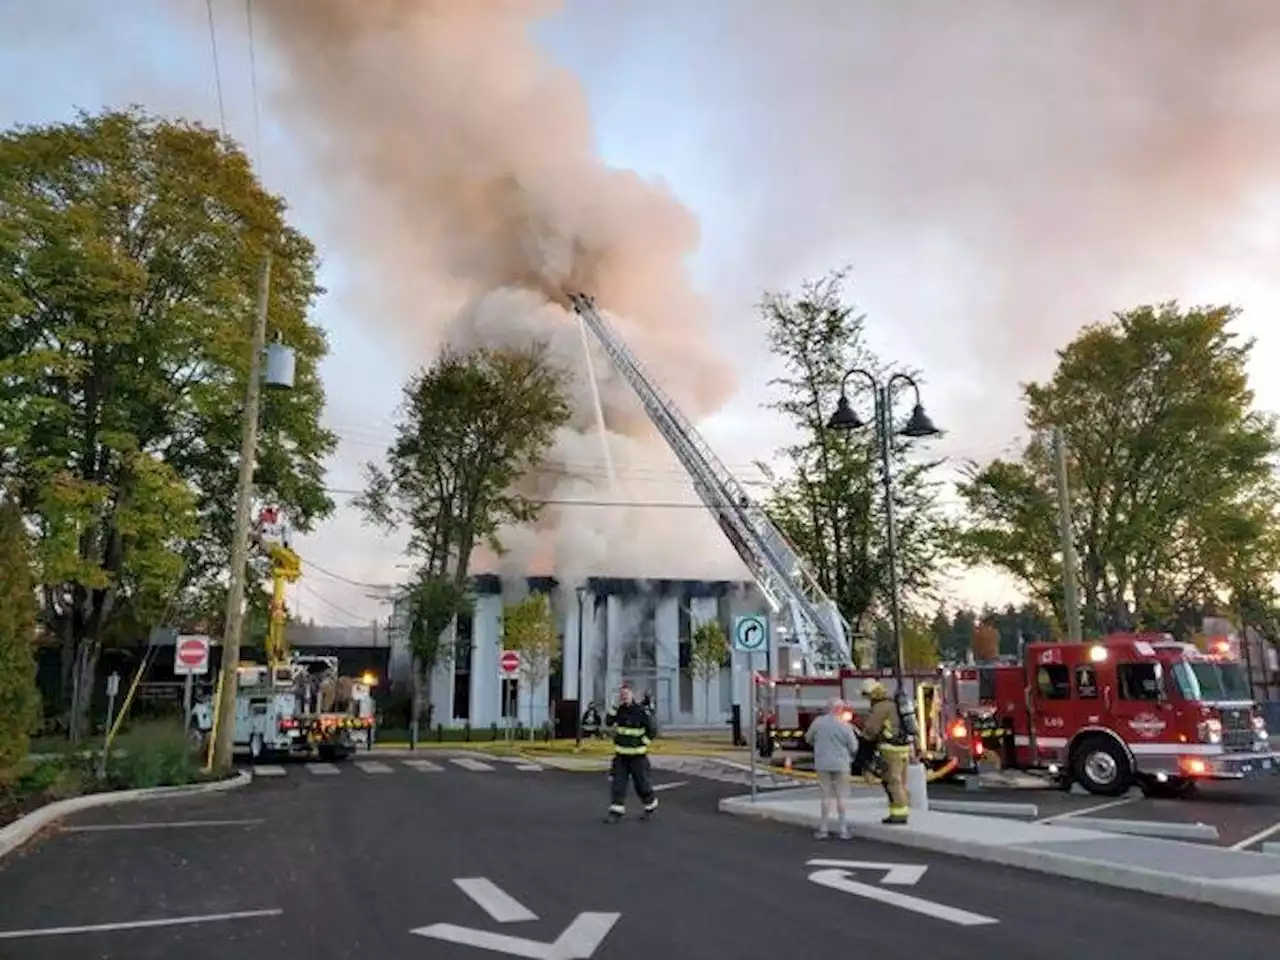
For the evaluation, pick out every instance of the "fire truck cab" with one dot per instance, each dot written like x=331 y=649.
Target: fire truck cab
x=1127 y=709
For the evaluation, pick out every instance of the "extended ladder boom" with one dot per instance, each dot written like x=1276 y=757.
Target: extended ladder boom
x=819 y=629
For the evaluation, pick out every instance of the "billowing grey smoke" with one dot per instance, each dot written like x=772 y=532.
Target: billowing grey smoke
x=464 y=165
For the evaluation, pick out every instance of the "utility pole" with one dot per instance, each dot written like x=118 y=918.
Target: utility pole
x=1071 y=593
x=224 y=711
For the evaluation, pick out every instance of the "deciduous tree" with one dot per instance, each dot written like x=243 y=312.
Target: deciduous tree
x=829 y=500
x=708 y=650
x=919 y=647
x=129 y=250
x=529 y=627
x=433 y=605
x=1171 y=472
x=986 y=643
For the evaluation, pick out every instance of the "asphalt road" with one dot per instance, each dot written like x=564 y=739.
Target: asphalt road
x=347 y=865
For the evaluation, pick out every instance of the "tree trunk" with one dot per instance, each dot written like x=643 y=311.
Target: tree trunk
x=415 y=705
x=706 y=697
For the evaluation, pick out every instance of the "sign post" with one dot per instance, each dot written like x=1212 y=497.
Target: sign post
x=190 y=659
x=509 y=669
x=113 y=691
x=750 y=636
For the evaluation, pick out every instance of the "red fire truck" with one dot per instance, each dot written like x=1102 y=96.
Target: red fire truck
x=1128 y=709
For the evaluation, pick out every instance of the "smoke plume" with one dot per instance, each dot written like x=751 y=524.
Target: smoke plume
x=463 y=167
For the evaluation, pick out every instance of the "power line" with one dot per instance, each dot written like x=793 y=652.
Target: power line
x=217 y=68
x=342 y=611
x=340 y=577
x=253 y=84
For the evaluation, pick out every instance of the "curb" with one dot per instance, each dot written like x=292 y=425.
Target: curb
x=25 y=828
x=1158 y=829
x=1218 y=893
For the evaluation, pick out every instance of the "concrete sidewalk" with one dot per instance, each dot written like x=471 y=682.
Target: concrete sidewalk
x=1225 y=878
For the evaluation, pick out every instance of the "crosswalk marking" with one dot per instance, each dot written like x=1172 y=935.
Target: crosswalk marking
x=322 y=769
x=423 y=766
x=476 y=766
x=373 y=766
x=268 y=770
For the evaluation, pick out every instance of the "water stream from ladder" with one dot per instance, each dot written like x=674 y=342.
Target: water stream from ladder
x=599 y=410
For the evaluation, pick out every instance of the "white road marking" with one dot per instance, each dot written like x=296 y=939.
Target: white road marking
x=1087 y=810
x=373 y=766
x=494 y=901
x=269 y=770
x=323 y=769
x=476 y=766
x=423 y=766
x=842 y=881
x=1257 y=837
x=528 y=767
x=136 y=924
x=669 y=786
x=579 y=940
x=174 y=825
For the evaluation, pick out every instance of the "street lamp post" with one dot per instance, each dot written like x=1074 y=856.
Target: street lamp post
x=582 y=593
x=845 y=419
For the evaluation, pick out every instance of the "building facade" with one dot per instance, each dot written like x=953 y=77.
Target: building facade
x=632 y=631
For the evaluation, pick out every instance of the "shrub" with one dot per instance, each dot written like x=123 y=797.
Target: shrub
x=158 y=755
x=19 y=699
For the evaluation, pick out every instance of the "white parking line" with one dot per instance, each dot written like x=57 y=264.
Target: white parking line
x=373 y=766
x=176 y=825
x=1087 y=810
x=269 y=770
x=528 y=767
x=322 y=769
x=136 y=924
x=669 y=786
x=476 y=766
x=1257 y=837
x=423 y=766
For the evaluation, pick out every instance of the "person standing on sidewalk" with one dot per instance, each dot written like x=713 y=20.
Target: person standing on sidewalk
x=834 y=747
x=633 y=728
x=883 y=727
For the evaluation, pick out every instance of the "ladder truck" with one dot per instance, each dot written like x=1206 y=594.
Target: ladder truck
x=790 y=589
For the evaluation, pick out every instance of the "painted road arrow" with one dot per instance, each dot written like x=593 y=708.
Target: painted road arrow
x=579 y=941
x=839 y=876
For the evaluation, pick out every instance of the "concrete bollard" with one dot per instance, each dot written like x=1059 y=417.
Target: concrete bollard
x=917 y=787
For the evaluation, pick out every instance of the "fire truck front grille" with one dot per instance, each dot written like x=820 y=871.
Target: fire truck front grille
x=1237 y=730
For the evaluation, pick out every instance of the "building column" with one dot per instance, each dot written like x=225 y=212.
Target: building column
x=570 y=657
x=666 y=627
x=614 y=624
x=486 y=639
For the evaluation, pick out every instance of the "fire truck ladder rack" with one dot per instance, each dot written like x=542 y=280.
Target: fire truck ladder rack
x=790 y=589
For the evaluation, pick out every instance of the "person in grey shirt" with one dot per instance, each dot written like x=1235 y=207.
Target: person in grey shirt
x=834 y=747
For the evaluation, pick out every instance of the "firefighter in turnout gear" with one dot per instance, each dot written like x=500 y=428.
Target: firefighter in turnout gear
x=883 y=727
x=633 y=727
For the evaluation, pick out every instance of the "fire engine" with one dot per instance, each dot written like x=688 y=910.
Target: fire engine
x=1127 y=709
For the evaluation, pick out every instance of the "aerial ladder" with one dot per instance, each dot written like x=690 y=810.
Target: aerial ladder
x=793 y=594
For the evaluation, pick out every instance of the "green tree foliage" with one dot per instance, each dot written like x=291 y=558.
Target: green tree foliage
x=472 y=425
x=708 y=650
x=919 y=646
x=129 y=251
x=1171 y=471
x=19 y=703
x=433 y=605
x=830 y=502
x=529 y=627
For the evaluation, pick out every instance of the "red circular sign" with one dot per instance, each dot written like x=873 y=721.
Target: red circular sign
x=510 y=662
x=192 y=653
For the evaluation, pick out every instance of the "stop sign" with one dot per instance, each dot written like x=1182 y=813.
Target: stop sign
x=191 y=655
x=509 y=663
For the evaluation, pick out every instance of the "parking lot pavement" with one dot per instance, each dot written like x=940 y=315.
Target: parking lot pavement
x=402 y=868
x=1242 y=812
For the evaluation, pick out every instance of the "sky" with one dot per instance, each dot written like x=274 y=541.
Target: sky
x=997 y=174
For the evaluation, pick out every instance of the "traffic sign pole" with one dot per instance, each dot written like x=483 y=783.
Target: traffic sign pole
x=187 y=696
x=751 y=671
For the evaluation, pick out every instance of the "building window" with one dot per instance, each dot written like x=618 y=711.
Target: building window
x=462 y=653
x=1053 y=682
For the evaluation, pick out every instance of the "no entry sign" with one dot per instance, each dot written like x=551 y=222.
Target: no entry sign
x=191 y=656
x=509 y=664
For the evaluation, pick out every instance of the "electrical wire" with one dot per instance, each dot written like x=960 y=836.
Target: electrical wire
x=357 y=620
x=253 y=85
x=217 y=68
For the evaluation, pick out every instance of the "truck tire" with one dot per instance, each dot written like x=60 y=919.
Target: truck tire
x=1102 y=767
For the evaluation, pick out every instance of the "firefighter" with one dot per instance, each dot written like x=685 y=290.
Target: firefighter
x=633 y=728
x=883 y=727
x=591 y=721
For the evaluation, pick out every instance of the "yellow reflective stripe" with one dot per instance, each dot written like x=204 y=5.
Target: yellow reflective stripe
x=631 y=731
x=630 y=751
x=896 y=747
x=899 y=811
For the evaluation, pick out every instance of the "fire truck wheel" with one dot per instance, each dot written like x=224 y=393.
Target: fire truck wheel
x=1101 y=766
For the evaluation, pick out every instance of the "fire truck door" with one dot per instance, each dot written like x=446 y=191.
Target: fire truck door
x=1051 y=704
x=1134 y=699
